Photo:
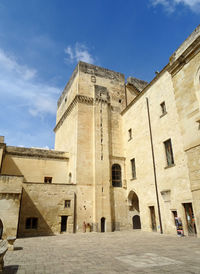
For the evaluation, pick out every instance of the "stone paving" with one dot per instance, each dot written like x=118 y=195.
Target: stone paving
x=116 y=252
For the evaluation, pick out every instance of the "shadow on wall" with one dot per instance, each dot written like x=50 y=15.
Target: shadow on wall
x=9 y=167
x=29 y=210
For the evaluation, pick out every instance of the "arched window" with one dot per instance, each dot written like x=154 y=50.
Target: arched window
x=116 y=176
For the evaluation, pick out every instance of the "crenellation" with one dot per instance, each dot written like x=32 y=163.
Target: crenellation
x=101 y=72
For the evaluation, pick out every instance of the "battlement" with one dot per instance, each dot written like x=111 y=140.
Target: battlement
x=101 y=72
x=36 y=152
x=92 y=70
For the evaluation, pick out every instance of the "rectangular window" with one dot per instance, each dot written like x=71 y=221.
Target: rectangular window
x=67 y=203
x=133 y=170
x=130 y=134
x=48 y=180
x=163 y=109
x=169 y=152
x=31 y=223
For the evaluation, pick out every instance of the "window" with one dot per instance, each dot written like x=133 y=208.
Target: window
x=116 y=176
x=163 y=109
x=67 y=203
x=31 y=223
x=133 y=170
x=130 y=134
x=169 y=153
x=48 y=180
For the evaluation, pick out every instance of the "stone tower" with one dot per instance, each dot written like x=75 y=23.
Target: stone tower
x=89 y=128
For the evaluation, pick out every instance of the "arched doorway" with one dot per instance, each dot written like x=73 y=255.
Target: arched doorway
x=134 y=211
x=136 y=222
x=103 y=224
x=1 y=229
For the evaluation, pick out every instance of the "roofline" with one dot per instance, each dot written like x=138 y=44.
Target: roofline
x=145 y=89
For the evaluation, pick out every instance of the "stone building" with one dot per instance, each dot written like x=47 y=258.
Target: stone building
x=127 y=155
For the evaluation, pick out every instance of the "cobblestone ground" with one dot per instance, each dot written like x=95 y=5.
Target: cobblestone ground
x=116 y=252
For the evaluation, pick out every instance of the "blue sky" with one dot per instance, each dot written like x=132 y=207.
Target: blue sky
x=41 y=42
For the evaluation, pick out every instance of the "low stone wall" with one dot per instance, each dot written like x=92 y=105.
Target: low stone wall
x=10 y=194
x=46 y=203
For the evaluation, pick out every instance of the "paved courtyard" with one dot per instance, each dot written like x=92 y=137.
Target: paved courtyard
x=117 y=252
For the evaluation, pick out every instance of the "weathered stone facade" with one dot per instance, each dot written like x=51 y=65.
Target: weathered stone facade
x=126 y=155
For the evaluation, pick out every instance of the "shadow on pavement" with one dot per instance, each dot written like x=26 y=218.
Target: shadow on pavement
x=10 y=269
x=18 y=248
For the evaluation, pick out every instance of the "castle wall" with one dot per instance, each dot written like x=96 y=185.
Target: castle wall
x=97 y=129
x=10 y=195
x=46 y=202
x=103 y=121
x=173 y=182
x=186 y=82
x=34 y=167
x=90 y=130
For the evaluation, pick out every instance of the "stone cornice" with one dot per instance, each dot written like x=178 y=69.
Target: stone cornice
x=77 y=99
x=117 y=157
x=36 y=153
x=177 y=64
x=100 y=100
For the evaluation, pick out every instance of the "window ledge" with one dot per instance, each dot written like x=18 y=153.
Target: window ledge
x=169 y=166
x=163 y=114
x=132 y=179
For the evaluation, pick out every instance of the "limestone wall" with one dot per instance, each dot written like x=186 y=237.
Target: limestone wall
x=174 y=179
x=10 y=194
x=90 y=131
x=47 y=203
x=34 y=167
x=66 y=139
x=186 y=82
x=102 y=122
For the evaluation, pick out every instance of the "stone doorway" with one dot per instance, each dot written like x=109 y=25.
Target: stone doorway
x=1 y=229
x=136 y=222
x=189 y=214
x=63 y=223
x=103 y=224
x=153 y=218
x=134 y=211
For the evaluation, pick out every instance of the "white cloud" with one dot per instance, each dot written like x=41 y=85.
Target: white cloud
x=170 y=5
x=19 y=83
x=78 y=53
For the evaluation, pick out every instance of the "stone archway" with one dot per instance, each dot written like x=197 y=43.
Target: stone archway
x=1 y=229
x=134 y=210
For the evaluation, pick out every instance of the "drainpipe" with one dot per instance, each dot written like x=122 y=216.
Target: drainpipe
x=154 y=167
x=19 y=216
